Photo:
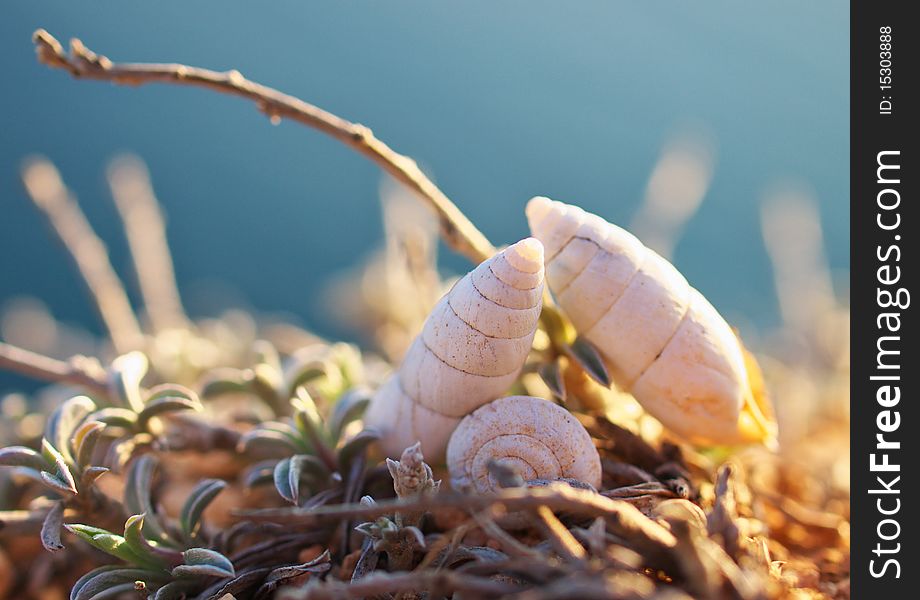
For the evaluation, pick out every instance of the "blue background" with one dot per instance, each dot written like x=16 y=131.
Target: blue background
x=498 y=100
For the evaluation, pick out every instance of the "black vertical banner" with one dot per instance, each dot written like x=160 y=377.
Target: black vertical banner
x=885 y=424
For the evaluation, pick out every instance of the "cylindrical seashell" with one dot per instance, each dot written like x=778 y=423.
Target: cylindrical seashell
x=535 y=437
x=471 y=349
x=660 y=338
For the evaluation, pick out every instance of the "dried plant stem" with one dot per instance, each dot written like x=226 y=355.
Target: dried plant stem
x=78 y=371
x=558 y=535
x=146 y=232
x=44 y=186
x=458 y=232
x=625 y=520
x=509 y=543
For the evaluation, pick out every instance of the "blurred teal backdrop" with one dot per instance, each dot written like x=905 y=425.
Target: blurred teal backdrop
x=498 y=100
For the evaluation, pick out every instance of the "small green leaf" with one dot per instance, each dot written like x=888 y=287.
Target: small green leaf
x=115 y=416
x=91 y=474
x=178 y=590
x=134 y=538
x=197 y=502
x=260 y=473
x=288 y=486
x=289 y=472
x=137 y=485
x=125 y=379
x=310 y=424
x=586 y=355
x=313 y=468
x=302 y=368
x=155 y=556
x=117 y=592
x=86 y=531
x=51 y=528
x=164 y=405
x=108 y=542
x=260 y=381
x=61 y=478
x=122 y=449
x=354 y=448
x=86 y=578
x=137 y=496
x=64 y=421
x=558 y=328
x=57 y=484
x=20 y=456
x=306 y=416
x=268 y=377
x=350 y=407
x=266 y=354
x=84 y=442
x=224 y=380
x=201 y=561
x=99 y=583
x=551 y=374
x=30 y=473
x=271 y=436
x=171 y=390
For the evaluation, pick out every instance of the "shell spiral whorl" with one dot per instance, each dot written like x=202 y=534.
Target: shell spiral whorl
x=471 y=349
x=661 y=339
x=535 y=437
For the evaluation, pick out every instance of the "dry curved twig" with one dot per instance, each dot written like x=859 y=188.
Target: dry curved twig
x=77 y=371
x=458 y=232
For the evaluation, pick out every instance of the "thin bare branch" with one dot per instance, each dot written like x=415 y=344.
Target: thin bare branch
x=510 y=544
x=79 y=370
x=146 y=233
x=458 y=232
x=625 y=519
x=44 y=186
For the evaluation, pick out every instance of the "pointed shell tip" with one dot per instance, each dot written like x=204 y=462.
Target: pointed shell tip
x=537 y=208
x=526 y=255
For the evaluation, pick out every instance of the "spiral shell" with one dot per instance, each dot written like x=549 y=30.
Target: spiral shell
x=471 y=349
x=538 y=439
x=660 y=338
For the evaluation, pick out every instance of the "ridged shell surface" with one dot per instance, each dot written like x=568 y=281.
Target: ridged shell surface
x=470 y=350
x=660 y=338
x=535 y=437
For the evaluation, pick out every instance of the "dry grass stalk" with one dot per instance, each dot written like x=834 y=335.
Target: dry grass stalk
x=44 y=186
x=146 y=232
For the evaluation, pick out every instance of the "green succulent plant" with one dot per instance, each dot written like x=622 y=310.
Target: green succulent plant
x=314 y=449
x=327 y=371
x=387 y=536
x=150 y=565
x=64 y=465
x=131 y=419
x=160 y=557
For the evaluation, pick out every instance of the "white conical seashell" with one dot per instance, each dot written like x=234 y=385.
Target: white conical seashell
x=660 y=338
x=471 y=349
x=535 y=437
